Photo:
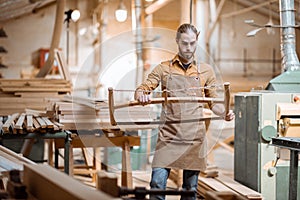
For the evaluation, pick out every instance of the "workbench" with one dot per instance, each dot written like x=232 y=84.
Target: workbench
x=293 y=145
x=69 y=140
x=64 y=136
x=96 y=139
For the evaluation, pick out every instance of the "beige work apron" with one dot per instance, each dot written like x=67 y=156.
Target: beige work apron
x=181 y=145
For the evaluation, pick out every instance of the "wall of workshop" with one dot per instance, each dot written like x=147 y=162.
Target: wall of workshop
x=29 y=33
x=235 y=46
x=25 y=36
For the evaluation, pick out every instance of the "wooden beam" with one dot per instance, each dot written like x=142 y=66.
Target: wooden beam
x=108 y=183
x=242 y=11
x=238 y=188
x=214 y=23
x=57 y=31
x=41 y=122
x=20 y=121
x=126 y=166
x=29 y=123
x=156 y=6
x=10 y=122
x=42 y=180
x=48 y=122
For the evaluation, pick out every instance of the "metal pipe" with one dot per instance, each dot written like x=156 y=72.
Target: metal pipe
x=290 y=60
x=59 y=19
x=137 y=7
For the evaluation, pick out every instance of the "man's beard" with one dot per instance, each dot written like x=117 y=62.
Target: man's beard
x=186 y=55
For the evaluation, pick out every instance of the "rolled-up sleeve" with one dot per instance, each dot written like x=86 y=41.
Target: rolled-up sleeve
x=210 y=83
x=152 y=80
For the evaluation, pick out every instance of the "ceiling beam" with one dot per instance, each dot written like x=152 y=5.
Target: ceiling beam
x=250 y=7
x=214 y=23
x=156 y=6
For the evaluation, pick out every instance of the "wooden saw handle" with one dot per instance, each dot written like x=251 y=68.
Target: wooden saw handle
x=226 y=97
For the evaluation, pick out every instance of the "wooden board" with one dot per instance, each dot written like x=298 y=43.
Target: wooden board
x=47 y=183
x=16 y=95
x=239 y=188
x=25 y=123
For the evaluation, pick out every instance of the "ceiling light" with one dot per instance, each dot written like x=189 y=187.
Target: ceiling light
x=75 y=15
x=72 y=14
x=121 y=12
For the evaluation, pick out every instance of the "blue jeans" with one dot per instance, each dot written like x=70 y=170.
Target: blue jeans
x=159 y=181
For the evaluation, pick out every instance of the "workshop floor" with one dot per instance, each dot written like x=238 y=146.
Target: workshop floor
x=220 y=157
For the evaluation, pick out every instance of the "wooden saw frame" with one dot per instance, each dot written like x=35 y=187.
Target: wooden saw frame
x=166 y=100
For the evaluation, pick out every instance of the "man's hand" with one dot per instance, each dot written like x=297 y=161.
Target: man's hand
x=142 y=97
x=229 y=116
x=219 y=110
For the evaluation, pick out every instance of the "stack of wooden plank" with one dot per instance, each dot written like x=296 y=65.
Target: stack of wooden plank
x=28 y=123
x=16 y=95
x=225 y=184
x=81 y=113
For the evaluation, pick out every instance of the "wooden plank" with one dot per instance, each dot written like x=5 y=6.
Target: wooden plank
x=41 y=180
x=72 y=106
x=126 y=173
x=48 y=122
x=28 y=82
x=35 y=95
x=29 y=123
x=9 y=122
x=213 y=184
x=62 y=66
x=36 y=124
x=38 y=89
x=23 y=106
x=239 y=188
x=20 y=121
x=13 y=157
x=15 y=100
x=41 y=80
x=59 y=125
x=35 y=112
x=215 y=195
x=41 y=122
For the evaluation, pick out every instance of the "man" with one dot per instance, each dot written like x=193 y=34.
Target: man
x=181 y=145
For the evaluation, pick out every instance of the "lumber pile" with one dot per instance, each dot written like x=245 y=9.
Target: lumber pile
x=225 y=185
x=82 y=113
x=28 y=123
x=16 y=95
x=214 y=185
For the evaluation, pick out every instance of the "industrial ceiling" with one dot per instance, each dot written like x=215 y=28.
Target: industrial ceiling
x=12 y=9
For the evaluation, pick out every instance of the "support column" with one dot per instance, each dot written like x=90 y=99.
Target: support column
x=148 y=50
x=201 y=20
x=137 y=28
x=101 y=13
x=185 y=11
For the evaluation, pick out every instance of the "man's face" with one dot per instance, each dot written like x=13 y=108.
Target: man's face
x=187 y=44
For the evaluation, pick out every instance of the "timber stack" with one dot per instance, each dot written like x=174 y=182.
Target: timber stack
x=82 y=113
x=16 y=95
x=223 y=186
x=28 y=123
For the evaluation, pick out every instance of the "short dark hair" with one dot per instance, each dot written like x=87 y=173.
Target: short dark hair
x=183 y=28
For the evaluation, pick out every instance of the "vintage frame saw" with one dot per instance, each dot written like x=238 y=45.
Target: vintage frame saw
x=165 y=100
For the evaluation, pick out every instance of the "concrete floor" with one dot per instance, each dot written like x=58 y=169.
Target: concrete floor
x=220 y=157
